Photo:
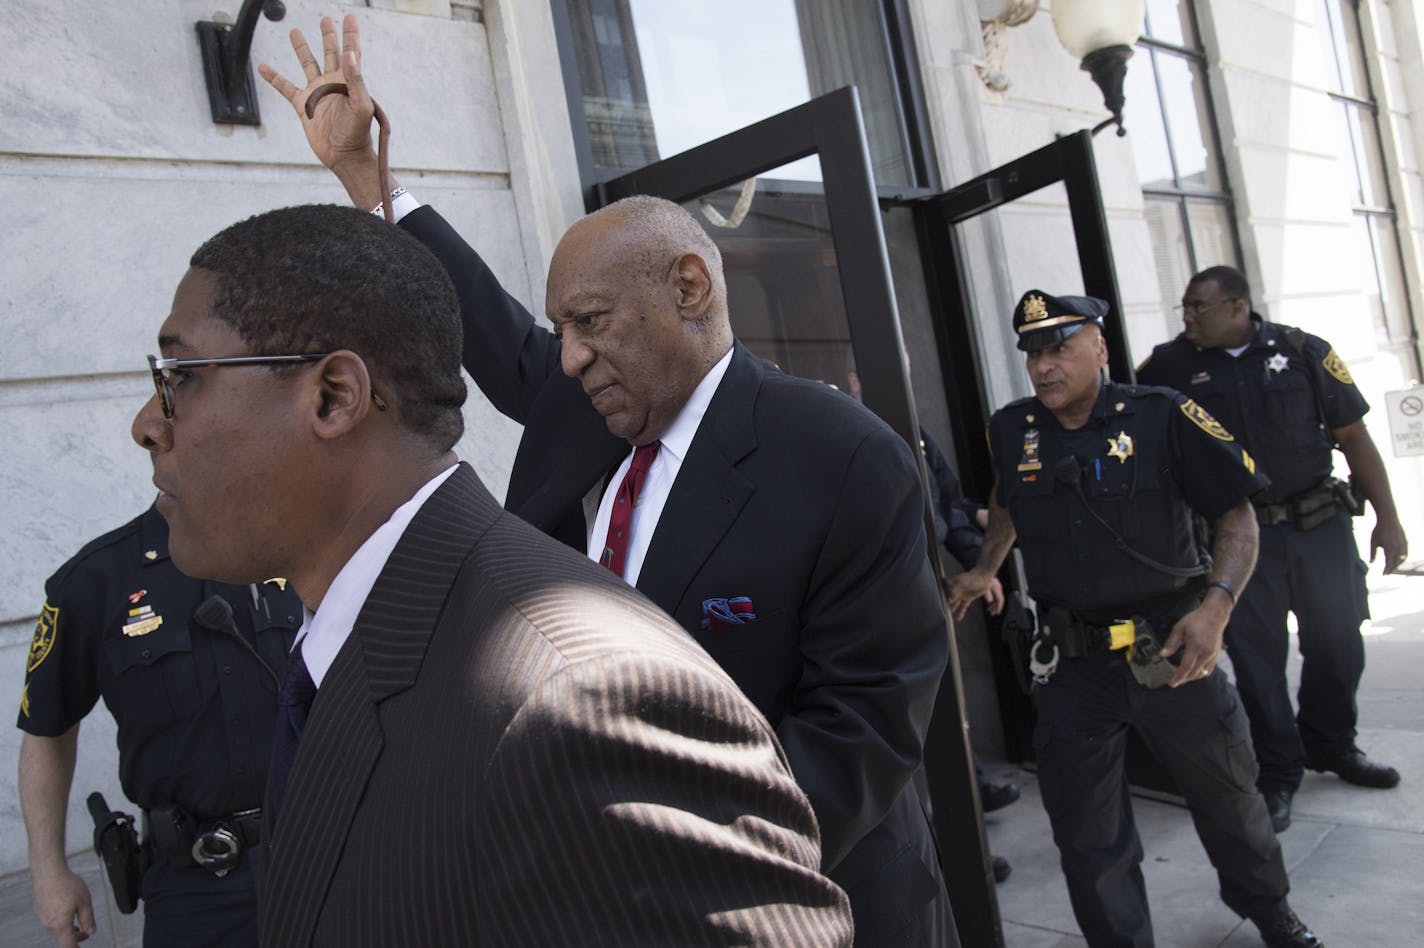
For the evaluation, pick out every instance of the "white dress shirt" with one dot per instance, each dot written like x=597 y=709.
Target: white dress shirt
x=324 y=632
x=658 y=484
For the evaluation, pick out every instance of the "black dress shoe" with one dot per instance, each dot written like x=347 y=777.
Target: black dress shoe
x=1284 y=930
x=1278 y=805
x=996 y=796
x=1001 y=868
x=1354 y=767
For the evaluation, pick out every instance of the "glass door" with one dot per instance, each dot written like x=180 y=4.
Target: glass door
x=791 y=203
x=1067 y=166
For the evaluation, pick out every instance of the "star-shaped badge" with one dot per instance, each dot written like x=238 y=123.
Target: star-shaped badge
x=1277 y=363
x=1120 y=447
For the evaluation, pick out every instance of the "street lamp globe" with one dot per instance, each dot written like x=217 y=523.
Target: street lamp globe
x=1101 y=34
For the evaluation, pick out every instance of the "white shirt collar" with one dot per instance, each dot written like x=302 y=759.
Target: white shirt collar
x=678 y=437
x=325 y=631
x=675 y=443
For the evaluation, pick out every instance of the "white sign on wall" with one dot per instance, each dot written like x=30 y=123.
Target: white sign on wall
x=1406 y=420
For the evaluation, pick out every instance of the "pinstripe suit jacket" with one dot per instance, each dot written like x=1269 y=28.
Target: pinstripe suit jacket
x=513 y=748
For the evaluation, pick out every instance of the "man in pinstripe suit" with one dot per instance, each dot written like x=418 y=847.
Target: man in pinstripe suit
x=508 y=745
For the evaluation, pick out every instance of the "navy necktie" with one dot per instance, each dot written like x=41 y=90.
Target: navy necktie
x=293 y=703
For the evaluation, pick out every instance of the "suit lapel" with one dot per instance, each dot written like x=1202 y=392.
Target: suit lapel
x=343 y=741
x=710 y=491
x=585 y=456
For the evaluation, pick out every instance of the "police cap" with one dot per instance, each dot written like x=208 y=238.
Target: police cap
x=1042 y=319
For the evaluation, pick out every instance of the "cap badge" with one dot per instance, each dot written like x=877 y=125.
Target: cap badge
x=1035 y=309
x=1120 y=447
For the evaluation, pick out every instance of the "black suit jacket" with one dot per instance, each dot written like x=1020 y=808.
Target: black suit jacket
x=791 y=494
x=514 y=748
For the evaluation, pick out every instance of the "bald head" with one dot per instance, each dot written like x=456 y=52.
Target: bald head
x=656 y=229
x=636 y=293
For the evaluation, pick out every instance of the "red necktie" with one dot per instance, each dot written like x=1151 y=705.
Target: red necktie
x=620 y=521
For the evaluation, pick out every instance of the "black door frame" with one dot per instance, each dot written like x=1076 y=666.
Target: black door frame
x=831 y=127
x=1068 y=160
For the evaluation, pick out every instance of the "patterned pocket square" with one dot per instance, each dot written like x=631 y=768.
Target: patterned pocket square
x=720 y=613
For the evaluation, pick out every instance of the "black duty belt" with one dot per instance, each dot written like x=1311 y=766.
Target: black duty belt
x=211 y=843
x=1076 y=637
x=1306 y=510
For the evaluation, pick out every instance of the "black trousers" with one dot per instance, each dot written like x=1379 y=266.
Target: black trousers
x=1318 y=575
x=1199 y=733
x=196 y=909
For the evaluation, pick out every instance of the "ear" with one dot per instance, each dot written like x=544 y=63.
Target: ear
x=693 y=283
x=340 y=394
x=1102 y=349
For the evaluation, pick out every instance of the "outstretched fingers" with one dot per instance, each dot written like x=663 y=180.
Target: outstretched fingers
x=305 y=57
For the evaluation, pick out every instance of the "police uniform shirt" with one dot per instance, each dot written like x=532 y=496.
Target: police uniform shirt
x=1146 y=459
x=1273 y=396
x=195 y=709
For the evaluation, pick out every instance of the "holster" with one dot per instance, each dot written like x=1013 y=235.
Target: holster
x=1144 y=656
x=116 y=843
x=1311 y=508
x=1350 y=496
x=1018 y=630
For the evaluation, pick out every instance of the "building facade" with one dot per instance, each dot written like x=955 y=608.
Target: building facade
x=1281 y=136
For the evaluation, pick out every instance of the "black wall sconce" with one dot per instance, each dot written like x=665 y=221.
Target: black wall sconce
x=227 y=66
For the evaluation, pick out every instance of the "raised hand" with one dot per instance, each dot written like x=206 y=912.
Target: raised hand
x=339 y=128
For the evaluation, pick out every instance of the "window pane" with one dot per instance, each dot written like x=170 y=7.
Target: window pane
x=1369 y=274
x=1338 y=26
x=662 y=76
x=1210 y=224
x=1369 y=156
x=1170 y=22
x=1169 y=252
x=1327 y=22
x=1185 y=100
x=1383 y=278
x=1350 y=150
x=1142 y=116
x=783 y=277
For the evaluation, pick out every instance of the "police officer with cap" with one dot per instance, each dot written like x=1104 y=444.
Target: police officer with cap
x=190 y=671
x=1100 y=483
x=1290 y=399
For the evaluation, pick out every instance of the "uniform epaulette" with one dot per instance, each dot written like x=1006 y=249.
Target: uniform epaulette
x=1019 y=403
x=1137 y=390
x=112 y=538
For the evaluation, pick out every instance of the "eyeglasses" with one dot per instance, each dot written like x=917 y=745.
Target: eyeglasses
x=164 y=369
x=1196 y=309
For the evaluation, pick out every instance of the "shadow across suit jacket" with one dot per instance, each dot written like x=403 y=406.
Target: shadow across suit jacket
x=797 y=497
x=514 y=748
